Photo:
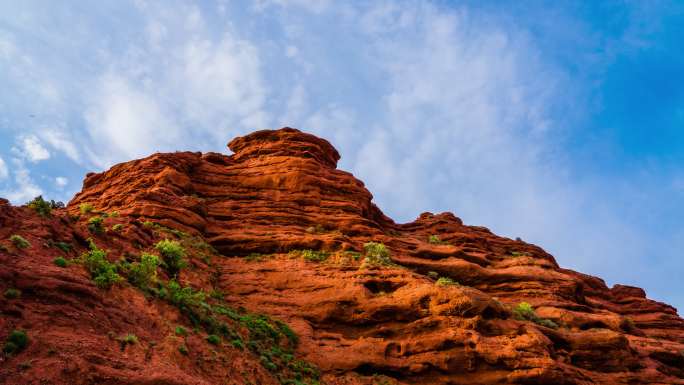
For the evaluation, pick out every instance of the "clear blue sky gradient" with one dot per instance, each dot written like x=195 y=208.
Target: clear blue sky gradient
x=558 y=122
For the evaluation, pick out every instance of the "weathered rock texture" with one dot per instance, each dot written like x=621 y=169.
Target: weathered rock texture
x=280 y=192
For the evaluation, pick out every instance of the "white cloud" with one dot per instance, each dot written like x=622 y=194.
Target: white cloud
x=32 y=149
x=59 y=141
x=4 y=172
x=24 y=188
x=197 y=90
x=61 y=181
x=126 y=121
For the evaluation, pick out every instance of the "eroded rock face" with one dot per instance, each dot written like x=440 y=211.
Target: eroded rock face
x=360 y=324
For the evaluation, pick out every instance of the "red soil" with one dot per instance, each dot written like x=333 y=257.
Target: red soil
x=358 y=324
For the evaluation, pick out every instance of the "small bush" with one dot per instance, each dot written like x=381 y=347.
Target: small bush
x=144 y=273
x=546 y=322
x=254 y=257
x=117 y=227
x=433 y=274
x=314 y=256
x=103 y=272
x=524 y=312
x=85 y=208
x=60 y=261
x=445 y=281
x=434 y=239
x=355 y=255
x=173 y=255
x=12 y=293
x=213 y=339
x=376 y=254
x=95 y=225
x=181 y=331
x=183 y=350
x=217 y=294
x=237 y=343
x=130 y=339
x=183 y=297
x=20 y=242
x=16 y=342
x=40 y=206
x=64 y=246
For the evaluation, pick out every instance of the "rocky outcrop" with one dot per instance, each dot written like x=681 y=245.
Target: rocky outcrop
x=444 y=311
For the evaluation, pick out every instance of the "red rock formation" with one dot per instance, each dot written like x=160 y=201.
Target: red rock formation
x=358 y=323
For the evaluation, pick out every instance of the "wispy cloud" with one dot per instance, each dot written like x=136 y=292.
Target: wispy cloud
x=24 y=188
x=61 y=181
x=4 y=172
x=32 y=149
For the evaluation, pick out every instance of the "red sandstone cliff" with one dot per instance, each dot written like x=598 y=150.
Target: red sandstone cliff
x=288 y=231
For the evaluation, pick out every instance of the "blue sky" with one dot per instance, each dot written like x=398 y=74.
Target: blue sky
x=558 y=122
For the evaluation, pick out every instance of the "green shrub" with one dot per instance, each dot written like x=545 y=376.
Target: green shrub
x=103 y=272
x=114 y=214
x=376 y=254
x=95 y=225
x=445 y=281
x=237 y=343
x=183 y=350
x=314 y=255
x=181 y=331
x=86 y=208
x=20 y=242
x=217 y=294
x=60 y=261
x=173 y=255
x=130 y=339
x=40 y=206
x=524 y=312
x=64 y=246
x=12 y=293
x=144 y=273
x=433 y=274
x=117 y=227
x=183 y=297
x=213 y=339
x=16 y=342
x=355 y=255
x=546 y=322
x=434 y=239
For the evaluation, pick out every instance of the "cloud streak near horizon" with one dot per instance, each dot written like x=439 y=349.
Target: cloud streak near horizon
x=516 y=118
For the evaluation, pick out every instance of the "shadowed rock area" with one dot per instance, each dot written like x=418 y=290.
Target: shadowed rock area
x=277 y=238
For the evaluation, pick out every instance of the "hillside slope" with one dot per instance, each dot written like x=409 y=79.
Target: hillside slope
x=292 y=275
